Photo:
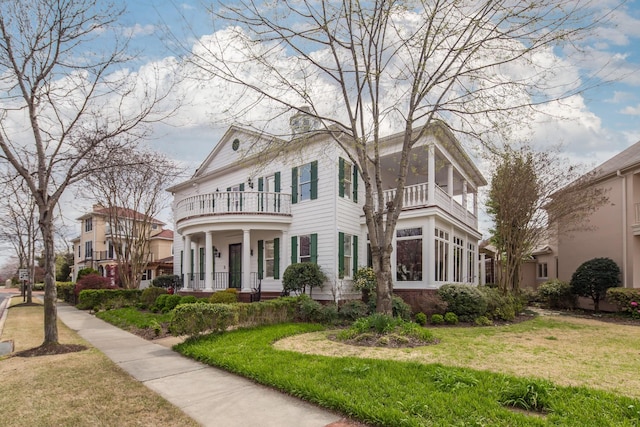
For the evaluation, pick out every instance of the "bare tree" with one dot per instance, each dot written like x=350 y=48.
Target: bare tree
x=63 y=102
x=133 y=193
x=19 y=226
x=368 y=67
x=529 y=192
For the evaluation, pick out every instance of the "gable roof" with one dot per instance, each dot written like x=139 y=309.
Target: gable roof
x=120 y=212
x=164 y=234
x=623 y=160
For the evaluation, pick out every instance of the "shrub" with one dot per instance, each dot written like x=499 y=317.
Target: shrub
x=200 y=317
x=93 y=281
x=227 y=296
x=38 y=287
x=167 y=281
x=437 y=319
x=627 y=300
x=188 y=299
x=393 y=330
x=400 y=308
x=149 y=295
x=530 y=396
x=85 y=272
x=483 y=321
x=451 y=318
x=171 y=302
x=268 y=312
x=352 y=310
x=297 y=277
x=594 y=277
x=107 y=299
x=556 y=294
x=65 y=291
x=365 y=280
x=421 y=319
x=499 y=305
x=309 y=310
x=160 y=301
x=466 y=301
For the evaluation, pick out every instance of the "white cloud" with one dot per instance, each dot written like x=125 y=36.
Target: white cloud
x=631 y=111
x=620 y=97
x=138 y=30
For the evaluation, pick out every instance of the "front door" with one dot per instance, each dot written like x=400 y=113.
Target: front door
x=235 y=265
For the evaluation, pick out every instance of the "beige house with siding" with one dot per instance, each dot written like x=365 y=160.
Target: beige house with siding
x=613 y=229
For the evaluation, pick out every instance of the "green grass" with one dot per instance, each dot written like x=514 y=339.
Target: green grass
x=126 y=318
x=392 y=393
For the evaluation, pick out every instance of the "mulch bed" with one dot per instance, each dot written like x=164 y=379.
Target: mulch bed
x=50 y=349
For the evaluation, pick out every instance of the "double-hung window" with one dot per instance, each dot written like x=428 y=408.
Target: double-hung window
x=88 y=224
x=347 y=180
x=269 y=258
x=441 y=256
x=542 y=270
x=347 y=255
x=304 y=248
x=304 y=182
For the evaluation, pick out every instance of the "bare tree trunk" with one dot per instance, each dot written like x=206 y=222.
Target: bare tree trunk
x=50 y=291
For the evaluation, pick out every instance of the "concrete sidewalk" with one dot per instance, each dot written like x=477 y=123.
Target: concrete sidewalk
x=210 y=396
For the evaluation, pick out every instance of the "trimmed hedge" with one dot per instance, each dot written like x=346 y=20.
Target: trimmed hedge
x=149 y=295
x=104 y=299
x=228 y=296
x=556 y=294
x=65 y=291
x=201 y=317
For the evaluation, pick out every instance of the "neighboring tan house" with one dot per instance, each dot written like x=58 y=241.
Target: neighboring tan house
x=242 y=218
x=95 y=246
x=614 y=228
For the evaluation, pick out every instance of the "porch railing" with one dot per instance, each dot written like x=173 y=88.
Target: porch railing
x=221 y=281
x=416 y=196
x=233 y=202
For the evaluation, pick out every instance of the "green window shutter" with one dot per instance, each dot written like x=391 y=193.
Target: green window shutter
x=314 y=248
x=340 y=177
x=261 y=196
x=276 y=184
x=355 y=255
x=314 y=180
x=241 y=196
x=192 y=262
x=181 y=263
x=242 y=187
x=260 y=259
x=201 y=260
x=294 y=249
x=341 y=255
x=213 y=255
x=276 y=258
x=294 y=185
x=228 y=198
x=355 y=184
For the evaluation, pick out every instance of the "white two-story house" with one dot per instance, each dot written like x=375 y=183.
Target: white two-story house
x=246 y=214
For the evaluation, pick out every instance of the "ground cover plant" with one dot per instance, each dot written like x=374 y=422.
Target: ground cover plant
x=144 y=323
x=75 y=389
x=405 y=393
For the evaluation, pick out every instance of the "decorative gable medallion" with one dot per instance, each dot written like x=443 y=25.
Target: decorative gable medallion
x=235 y=144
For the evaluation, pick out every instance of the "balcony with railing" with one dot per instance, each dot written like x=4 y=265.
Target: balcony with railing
x=223 y=203
x=417 y=196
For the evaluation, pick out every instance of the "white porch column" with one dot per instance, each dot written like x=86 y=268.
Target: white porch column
x=208 y=256
x=246 y=260
x=431 y=174
x=475 y=204
x=464 y=194
x=285 y=252
x=187 y=262
x=450 y=180
x=429 y=254
x=483 y=270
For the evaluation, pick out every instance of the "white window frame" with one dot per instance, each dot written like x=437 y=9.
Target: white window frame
x=441 y=256
x=543 y=267
x=411 y=233
x=302 y=194
x=269 y=257
x=306 y=257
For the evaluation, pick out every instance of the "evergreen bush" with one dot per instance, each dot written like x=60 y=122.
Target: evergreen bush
x=466 y=301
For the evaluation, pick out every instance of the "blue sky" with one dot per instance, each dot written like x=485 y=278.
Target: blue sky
x=608 y=123
x=601 y=122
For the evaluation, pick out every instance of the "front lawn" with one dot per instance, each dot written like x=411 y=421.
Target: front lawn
x=397 y=393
